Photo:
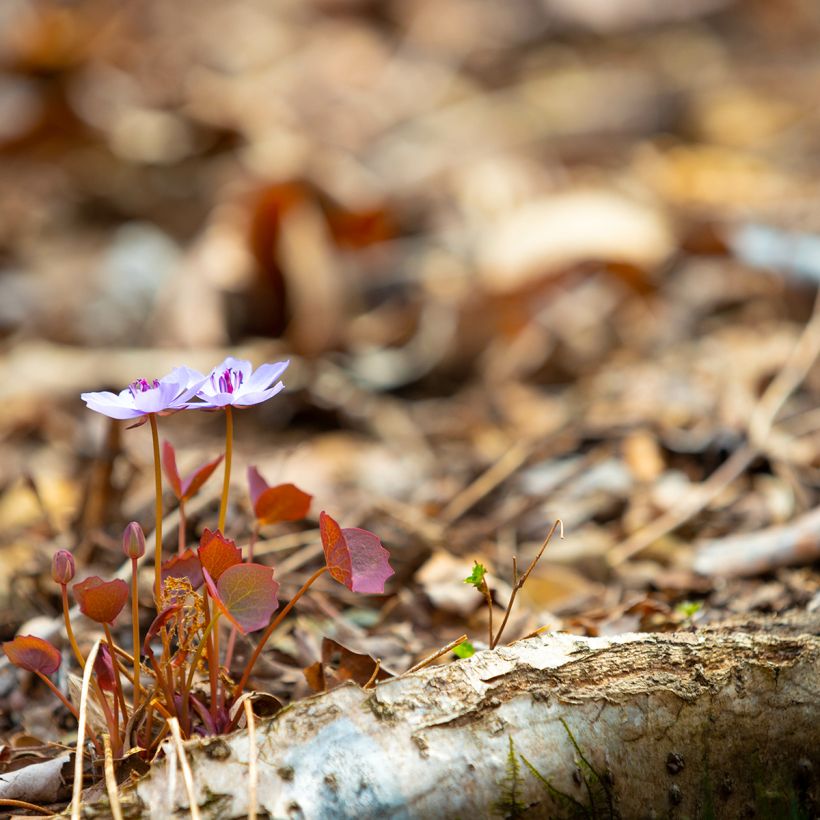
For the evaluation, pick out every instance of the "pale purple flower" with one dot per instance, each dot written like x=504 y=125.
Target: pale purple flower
x=236 y=383
x=141 y=397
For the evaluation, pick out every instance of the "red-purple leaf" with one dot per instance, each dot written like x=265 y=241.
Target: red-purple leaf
x=355 y=557
x=169 y=466
x=256 y=484
x=217 y=553
x=186 y=565
x=188 y=487
x=194 y=480
x=101 y=600
x=284 y=502
x=104 y=669
x=32 y=653
x=246 y=595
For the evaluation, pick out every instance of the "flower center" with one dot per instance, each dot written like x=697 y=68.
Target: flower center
x=142 y=386
x=229 y=381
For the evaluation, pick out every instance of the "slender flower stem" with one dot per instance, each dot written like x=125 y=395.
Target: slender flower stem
x=135 y=631
x=47 y=681
x=223 y=505
x=152 y=418
x=269 y=631
x=116 y=664
x=69 y=631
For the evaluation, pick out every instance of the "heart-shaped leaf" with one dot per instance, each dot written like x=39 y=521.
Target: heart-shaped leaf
x=355 y=557
x=32 y=653
x=185 y=565
x=188 y=487
x=284 y=502
x=217 y=553
x=246 y=595
x=101 y=600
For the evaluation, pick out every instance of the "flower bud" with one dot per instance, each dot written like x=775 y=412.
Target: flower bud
x=62 y=567
x=133 y=541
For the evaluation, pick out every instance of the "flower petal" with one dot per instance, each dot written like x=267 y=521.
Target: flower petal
x=265 y=375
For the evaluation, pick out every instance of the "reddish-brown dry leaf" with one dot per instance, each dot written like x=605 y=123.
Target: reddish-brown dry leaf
x=217 y=553
x=33 y=653
x=185 y=565
x=101 y=600
x=354 y=666
x=246 y=595
x=315 y=676
x=169 y=467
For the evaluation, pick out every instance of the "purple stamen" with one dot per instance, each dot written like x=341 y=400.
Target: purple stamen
x=229 y=381
x=142 y=386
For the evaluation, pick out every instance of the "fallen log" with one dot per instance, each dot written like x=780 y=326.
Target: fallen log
x=723 y=722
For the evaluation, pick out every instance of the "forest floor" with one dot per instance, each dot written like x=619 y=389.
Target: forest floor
x=528 y=264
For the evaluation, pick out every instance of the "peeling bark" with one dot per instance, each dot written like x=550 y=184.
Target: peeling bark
x=717 y=723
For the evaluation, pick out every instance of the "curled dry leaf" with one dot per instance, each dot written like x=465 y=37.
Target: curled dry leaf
x=284 y=502
x=246 y=595
x=217 y=553
x=188 y=487
x=33 y=654
x=355 y=557
x=101 y=600
x=104 y=669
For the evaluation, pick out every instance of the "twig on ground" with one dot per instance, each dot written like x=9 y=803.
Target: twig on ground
x=437 y=654
x=519 y=582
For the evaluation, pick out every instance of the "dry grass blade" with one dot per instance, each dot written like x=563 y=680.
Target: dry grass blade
x=487 y=481
x=111 y=780
x=22 y=804
x=437 y=654
x=794 y=371
x=187 y=774
x=253 y=774
x=372 y=680
x=78 y=755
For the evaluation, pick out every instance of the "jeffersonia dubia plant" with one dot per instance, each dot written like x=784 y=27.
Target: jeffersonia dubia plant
x=176 y=669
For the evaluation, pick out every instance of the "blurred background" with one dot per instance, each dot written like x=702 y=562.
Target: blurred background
x=529 y=258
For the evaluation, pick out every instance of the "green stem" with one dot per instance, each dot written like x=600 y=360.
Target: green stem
x=243 y=681
x=223 y=505
x=152 y=418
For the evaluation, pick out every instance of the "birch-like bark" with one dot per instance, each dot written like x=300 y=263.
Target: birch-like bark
x=713 y=723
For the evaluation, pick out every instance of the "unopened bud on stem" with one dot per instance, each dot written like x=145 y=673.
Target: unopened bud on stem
x=62 y=567
x=133 y=541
